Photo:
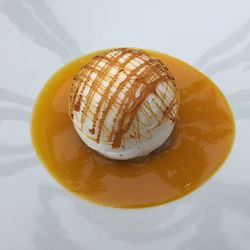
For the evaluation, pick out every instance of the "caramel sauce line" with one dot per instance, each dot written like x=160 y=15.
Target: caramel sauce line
x=130 y=95
x=73 y=96
x=92 y=64
x=94 y=86
x=105 y=94
x=128 y=99
x=78 y=84
x=172 y=85
x=116 y=94
x=169 y=110
x=99 y=78
x=105 y=111
x=162 y=70
x=147 y=116
x=149 y=88
x=167 y=76
x=120 y=88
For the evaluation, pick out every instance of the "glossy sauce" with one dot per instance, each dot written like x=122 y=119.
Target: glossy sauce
x=200 y=143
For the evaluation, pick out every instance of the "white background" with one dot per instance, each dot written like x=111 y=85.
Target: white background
x=39 y=36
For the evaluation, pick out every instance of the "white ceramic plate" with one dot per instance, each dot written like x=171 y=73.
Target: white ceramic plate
x=37 y=38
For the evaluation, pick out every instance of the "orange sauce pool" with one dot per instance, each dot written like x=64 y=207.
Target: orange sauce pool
x=199 y=144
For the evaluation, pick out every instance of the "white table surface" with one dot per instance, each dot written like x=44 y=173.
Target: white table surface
x=39 y=36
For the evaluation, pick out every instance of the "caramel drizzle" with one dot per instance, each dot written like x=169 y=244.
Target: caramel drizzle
x=170 y=111
x=120 y=88
x=106 y=93
x=73 y=101
x=154 y=73
x=94 y=86
x=79 y=82
x=130 y=95
x=135 y=103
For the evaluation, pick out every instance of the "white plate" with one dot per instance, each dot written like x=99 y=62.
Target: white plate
x=38 y=37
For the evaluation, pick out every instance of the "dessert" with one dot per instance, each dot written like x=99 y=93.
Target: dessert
x=123 y=103
x=200 y=142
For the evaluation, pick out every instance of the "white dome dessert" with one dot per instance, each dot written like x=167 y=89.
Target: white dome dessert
x=123 y=103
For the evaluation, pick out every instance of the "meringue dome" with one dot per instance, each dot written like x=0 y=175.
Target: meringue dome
x=123 y=103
